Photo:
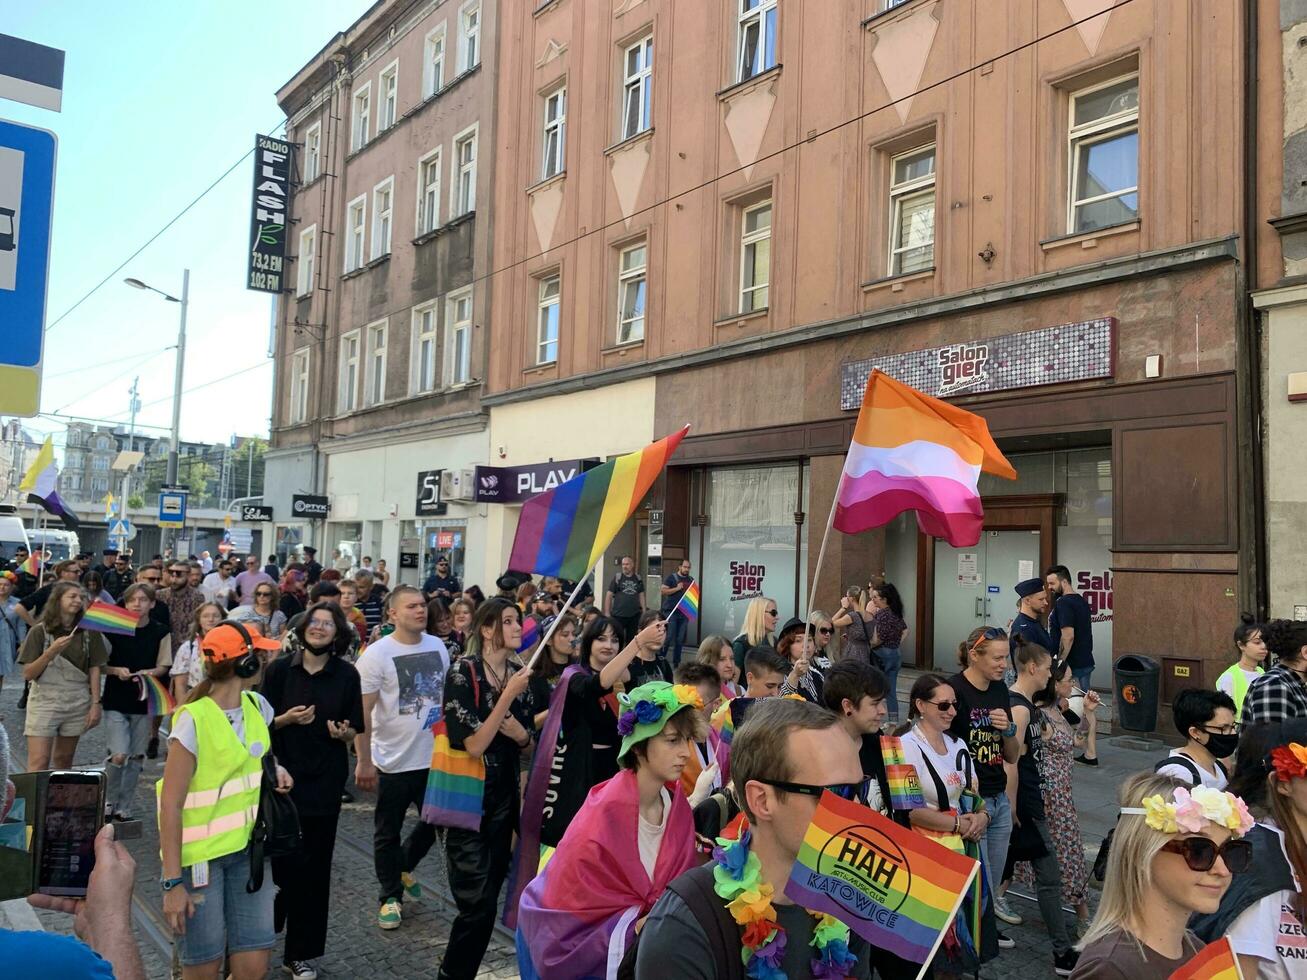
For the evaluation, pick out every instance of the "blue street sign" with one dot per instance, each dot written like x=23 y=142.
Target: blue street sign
x=27 y=159
x=172 y=509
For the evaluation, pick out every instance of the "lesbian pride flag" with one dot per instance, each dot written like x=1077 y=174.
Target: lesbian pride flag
x=914 y=452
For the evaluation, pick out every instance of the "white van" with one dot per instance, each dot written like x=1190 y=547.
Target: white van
x=60 y=544
x=12 y=534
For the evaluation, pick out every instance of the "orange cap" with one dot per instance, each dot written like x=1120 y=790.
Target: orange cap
x=224 y=642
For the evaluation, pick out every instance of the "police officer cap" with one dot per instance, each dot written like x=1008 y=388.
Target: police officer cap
x=1029 y=587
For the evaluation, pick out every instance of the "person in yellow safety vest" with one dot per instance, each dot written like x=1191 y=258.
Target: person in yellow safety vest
x=208 y=799
x=1252 y=654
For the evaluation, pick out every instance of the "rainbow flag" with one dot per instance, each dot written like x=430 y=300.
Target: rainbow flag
x=32 y=566
x=563 y=531
x=157 y=698
x=1216 y=962
x=893 y=887
x=914 y=452
x=904 y=786
x=104 y=618
x=689 y=603
x=530 y=633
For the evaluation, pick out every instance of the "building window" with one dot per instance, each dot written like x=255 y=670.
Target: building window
x=631 y=293
x=376 y=387
x=757 y=37
x=555 y=132
x=383 y=198
x=354 y=228
x=547 y=320
x=362 y=110
x=912 y=212
x=433 y=78
x=469 y=37
x=458 y=316
x=637 y=87
x=424 y=348
x=465 y=174
x=313 y=152
x=350 y=367
x=389 y=97
x=891 y=4
x=299 y=386
x=755 y=257
x=1104 y=155
x=428 y=214
x=304 y=279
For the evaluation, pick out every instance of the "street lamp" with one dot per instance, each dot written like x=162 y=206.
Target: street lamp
x=181 y=364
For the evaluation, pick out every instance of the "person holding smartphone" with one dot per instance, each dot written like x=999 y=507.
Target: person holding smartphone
x=208 y=800
x=318 y=701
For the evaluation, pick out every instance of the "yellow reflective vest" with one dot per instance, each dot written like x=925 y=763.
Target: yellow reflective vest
x=223 y=798
x=1239 y=685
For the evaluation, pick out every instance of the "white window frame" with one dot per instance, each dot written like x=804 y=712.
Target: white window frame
x=383 y=217
x=313 y=152
x=554 y=156
x=903 y=193
x=755 y=17
x=307 y=257
x=1098 y=131
x=469 y=36
x=748 y=245
x=460 y=171
x=891 y=4
x=360 y=116
x=627 y=279
x=426 y=216
x=543 y=305
x=639 y=82
x=430 y=333
x=378 y=337
x=388 y=92
x=458 y=367
x=299 y=385
x=433 y=68
x=350 y=372
x=355 y=232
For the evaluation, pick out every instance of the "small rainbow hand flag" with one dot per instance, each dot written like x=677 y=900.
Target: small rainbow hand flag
x=530 y=633
x=104 y=618
x=689 y=603
x=156 y=697
x=32 y=566
x=904 y=785
x=890 y=885
x=1216 y=962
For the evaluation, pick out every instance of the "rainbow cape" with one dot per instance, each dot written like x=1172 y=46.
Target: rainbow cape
x=1215 y=962
x=904 y=786
x=563 y=531
x=914 y=452
x=689 y=603
x=105 y=618
x=890 y=885
x=158 y=701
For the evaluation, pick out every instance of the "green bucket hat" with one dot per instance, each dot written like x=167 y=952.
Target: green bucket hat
x=649 y=707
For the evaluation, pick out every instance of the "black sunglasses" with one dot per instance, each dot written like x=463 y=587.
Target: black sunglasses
x=991 y=633
x=771 y=612
x=825 y=629
x=944 y=705
x=845 y=791
x=1200 y=853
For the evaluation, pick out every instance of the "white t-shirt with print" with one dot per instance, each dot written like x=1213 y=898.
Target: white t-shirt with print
x=916 y=749
x=183 y=725
x=1271 y=932
x=409 y=682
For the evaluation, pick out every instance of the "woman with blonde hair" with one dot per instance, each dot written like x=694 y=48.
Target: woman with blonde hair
x=759 y=629
x=187 y=665
x=823 y=635
x=1173 y=853
x=715 y=651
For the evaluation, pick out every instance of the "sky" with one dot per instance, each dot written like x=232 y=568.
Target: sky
x=159 y=99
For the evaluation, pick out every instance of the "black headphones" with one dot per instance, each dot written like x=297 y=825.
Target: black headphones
x=248 y=665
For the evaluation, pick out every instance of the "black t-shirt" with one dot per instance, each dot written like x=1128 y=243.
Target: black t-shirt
x=312 y=571
x=644 y=671
x=1030 y=797
x=34 y=602
x=137 y=652
x=983 y=740
x=1074 y=611
x=442 y=583
x=1033 y=631
x=591 y=702
x=468 y=704
x=680 y=584
x=626 y=590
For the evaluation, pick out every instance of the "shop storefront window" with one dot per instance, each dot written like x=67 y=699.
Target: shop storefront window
x=347 y=539
x=444 y=538
x=289 y=539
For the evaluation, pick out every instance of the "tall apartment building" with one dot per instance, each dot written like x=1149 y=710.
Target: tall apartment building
x=381 y=347
x=727 y=212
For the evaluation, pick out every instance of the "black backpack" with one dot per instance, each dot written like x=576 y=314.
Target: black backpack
x=276 y=830
x=1188 y=764
x=695 y=889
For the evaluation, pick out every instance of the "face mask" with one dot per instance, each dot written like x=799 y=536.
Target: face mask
x=1222 y=746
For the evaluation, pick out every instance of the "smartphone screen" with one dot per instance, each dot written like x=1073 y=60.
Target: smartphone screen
x=72 y=815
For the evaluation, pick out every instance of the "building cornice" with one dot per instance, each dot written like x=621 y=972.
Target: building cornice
x=452 y=425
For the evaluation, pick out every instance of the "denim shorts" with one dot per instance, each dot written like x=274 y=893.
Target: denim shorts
x=227 y=918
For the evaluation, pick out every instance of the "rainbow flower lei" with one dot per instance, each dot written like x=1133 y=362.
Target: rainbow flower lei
x=737 y=877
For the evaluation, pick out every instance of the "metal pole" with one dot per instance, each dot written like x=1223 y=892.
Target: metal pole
x=127 y=474
x=177 y=389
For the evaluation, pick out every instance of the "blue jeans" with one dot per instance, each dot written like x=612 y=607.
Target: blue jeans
x=1083 y=677
x=675 y=638
x=226 y=916
x=124 y=735
x=889 y=659
x=998 y=836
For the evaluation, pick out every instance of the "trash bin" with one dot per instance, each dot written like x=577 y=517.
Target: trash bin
x=1138 y=679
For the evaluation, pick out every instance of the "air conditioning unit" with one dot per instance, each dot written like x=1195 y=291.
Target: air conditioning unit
x=457 y=485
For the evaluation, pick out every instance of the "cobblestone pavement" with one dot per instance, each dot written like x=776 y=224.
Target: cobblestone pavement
x=357 y=948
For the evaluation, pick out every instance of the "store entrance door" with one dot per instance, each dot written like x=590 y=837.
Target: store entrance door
x=975 y=586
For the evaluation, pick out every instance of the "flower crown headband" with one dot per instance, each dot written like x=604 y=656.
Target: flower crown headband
x=1191 y=808
x=654 y=706
x=1288 y=761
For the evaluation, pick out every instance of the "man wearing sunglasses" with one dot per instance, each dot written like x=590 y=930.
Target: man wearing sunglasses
x=784 y=756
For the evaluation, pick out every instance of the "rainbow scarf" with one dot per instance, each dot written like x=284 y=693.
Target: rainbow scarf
x=158 y=701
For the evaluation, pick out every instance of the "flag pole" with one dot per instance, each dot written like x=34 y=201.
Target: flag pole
x=558 y=618
x=821 y=557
